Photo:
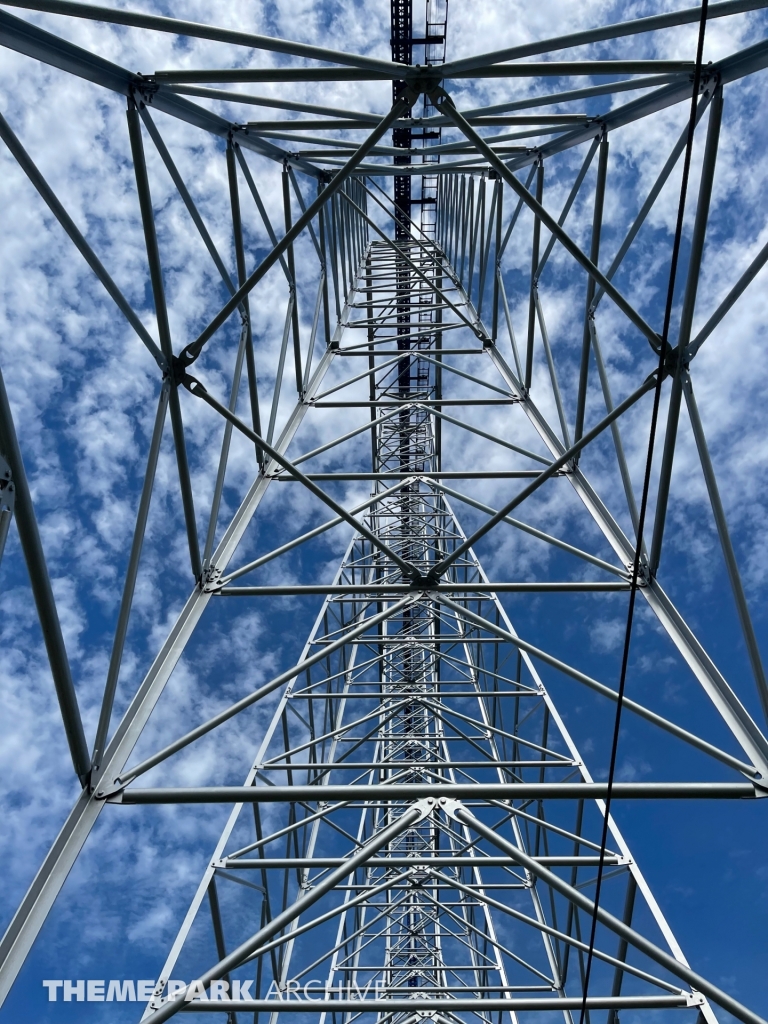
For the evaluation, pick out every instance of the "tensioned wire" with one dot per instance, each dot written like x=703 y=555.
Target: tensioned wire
x=663 y=353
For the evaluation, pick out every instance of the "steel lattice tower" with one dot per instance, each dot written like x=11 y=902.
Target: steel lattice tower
x=418 y=836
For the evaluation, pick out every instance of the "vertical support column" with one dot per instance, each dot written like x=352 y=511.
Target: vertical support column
x=618 y=975
x=534 y=279
x=357 y=220
x=458 y=223
x=497 y=261
x=346 y=213
x=292 y=273
x=686 y=321
x=237 y=230
x=449 y=240
x=440 y=213
x=324 y=266
x=476 y=227
x=485 y=253
x=43 y=592
x=218 y=934
x=594 y=255
x=371 y=358
x=438 y=369
x=334 y=254
x=164 y=330
x=468 y=211
x=338 y=239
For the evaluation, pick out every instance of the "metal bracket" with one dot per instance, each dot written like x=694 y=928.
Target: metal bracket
x=694 y=998
x=643 y=572
x=145 y=87
x=211 y=580
x=450 y=806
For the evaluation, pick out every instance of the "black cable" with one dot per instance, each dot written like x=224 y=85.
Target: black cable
x=663 y=354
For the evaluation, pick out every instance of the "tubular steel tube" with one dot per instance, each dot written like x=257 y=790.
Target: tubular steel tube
x=263 y=691
x=569 y=202
x=651 y=198
x=292 y=272
x=445 y=104
x=593 y=35
x=545 y=474
x=367 y=589
x=187 y=199
x=163 y=325
x=263 y=559
x=456 y=791
x=40 y=582
x=388 y=1007
x=593 y=684
x=196 y=388
x=130 y=580
x=534 y=278
x=594 y=255
x=61 y=215
x=552 y=371
x=413 y=860
x=192 y=351
x=195 y=30
x=750 y=639
x=728 y=302
x=260 y=207
x=250 y=360
x=548 y=538
x=218 y=489
x=686 y=320
x=626 y=479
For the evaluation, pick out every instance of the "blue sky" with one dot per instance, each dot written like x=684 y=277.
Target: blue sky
x=84 y=390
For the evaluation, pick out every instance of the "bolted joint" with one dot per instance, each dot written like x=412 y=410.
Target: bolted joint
x=643 y=572
x=192 y=384
x=185 y=358
x=426 y=806
x=676 y=361
x=421 y=80
x=430 y=581
x=414 y=577
x=7 y=501
x=439 y=97
x=211 y=580
x=145 y=87
x=176 y=372
x=450 y=806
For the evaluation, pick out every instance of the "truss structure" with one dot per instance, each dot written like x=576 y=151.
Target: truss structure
x=418 y=836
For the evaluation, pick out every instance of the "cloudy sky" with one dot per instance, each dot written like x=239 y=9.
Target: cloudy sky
x=84 y=392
